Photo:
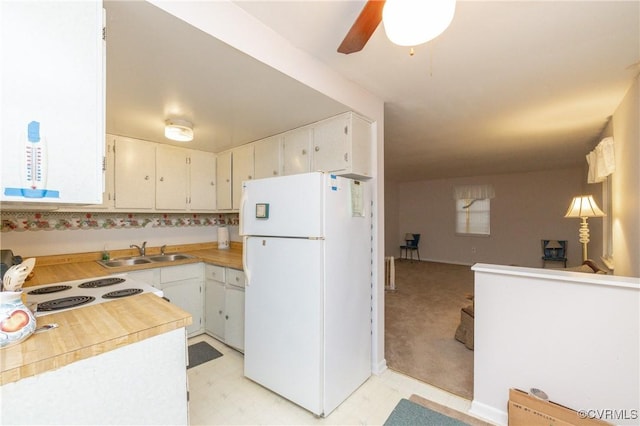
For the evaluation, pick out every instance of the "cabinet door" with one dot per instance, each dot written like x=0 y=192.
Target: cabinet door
x=295 y=151
x=223 y=181
x=108 y=167
x=330 y=145
x=135 y=174
x=234 y=316
x=187 y=295
x=242 y=170
x=202 y=181
x=52 y=81
x=172 y=178
x=267 y=154
x=214 y=308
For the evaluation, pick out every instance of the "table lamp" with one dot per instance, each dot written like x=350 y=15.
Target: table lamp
x=553 y=245
x=584 y=206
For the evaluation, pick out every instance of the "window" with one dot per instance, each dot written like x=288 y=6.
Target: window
x=607 y=223
x=473 y=209
x=473 y=216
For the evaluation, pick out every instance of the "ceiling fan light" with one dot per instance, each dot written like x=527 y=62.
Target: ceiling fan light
x=413 y=22
x=178 y=130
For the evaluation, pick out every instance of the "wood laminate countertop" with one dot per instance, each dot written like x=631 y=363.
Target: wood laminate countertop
x=60 y=268
x=89 y=331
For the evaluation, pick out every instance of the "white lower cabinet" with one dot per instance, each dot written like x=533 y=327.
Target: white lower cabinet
x=214 y=288
x=182 y=285
x=224 y=305
x=218 y=311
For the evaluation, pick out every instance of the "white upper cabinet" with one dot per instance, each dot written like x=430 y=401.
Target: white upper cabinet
x=296 y=151
x=172 y=178
x=342 y=145
x=223 y=180
x=268 y=157
x=202 y=179
x=52 y=103
x=243 y=169
x=135 y=174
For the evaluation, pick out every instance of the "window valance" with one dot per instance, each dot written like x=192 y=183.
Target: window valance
x=473 y=192
x=602 y=161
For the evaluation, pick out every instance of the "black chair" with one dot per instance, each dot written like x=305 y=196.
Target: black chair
x=411 y=245
x=554 y=251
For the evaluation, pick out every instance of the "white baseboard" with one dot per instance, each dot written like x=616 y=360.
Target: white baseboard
x=488 y=412
x=379 y=368
x=452 y=262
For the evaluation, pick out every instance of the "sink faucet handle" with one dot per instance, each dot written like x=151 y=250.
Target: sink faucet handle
x=162 y=249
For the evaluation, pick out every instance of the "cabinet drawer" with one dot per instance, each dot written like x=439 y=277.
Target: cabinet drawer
x=214 y=272
x=235 y=277
x=182 y=272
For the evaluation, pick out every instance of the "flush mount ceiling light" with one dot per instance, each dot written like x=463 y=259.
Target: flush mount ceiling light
x=178 y=130
x=413 y=22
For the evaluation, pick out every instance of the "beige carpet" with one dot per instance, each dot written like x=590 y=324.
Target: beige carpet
x=421 y=317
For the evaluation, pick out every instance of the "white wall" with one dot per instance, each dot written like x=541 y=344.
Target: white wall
x=576 y=336
x=626 y=184
x=527 y=208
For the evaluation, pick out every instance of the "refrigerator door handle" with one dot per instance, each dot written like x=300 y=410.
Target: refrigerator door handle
x=247 y=272
x=243 y=201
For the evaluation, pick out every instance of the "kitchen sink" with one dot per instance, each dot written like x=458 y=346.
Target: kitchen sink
x=142 y=260
x=116 y=263
x=169 y=257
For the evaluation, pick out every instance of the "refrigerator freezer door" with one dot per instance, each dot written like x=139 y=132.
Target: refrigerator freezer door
x=286 y=206
x=283 y=318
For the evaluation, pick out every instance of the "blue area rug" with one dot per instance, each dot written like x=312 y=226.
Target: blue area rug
x=409 y=413
x=201 y=352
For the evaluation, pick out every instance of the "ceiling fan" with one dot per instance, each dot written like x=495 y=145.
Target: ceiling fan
x=363 y=27
x=406 y=22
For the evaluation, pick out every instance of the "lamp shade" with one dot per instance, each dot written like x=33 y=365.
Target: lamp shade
x=413 y=22
x=553 y=244
x=178 y=130
x=584 y=206
x=408 y=237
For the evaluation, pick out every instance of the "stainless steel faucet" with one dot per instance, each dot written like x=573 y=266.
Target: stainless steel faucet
x=142 y=249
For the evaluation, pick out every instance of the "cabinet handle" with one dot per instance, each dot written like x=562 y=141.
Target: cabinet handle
x=317 y=148
x=275 y=173
x=304 y=152
x=226 y=317
x=146 y=177
x=249 y=177
x=220 y=311
x=213 y=184
x=161 y=179
x=346 y=157
x=227 y=180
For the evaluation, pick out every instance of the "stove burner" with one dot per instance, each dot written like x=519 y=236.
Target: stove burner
x=64 y=302
x=103 y=282
x=122 y=293
x=50 y=289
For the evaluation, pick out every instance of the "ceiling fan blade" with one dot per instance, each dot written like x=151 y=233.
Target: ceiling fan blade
x=363 y=27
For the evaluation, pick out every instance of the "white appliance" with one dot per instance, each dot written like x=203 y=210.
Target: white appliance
x=307 y=262
x=62 y=296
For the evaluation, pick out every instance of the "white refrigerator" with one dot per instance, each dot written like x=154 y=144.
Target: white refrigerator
x=307 y=262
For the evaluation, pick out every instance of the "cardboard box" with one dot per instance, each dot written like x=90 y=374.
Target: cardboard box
x=527 y=410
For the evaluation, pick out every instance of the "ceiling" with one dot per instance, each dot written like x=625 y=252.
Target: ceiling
x=510 y=86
